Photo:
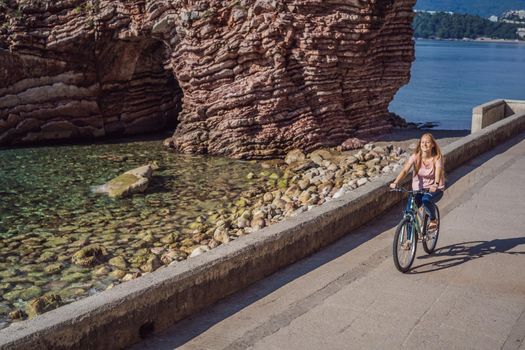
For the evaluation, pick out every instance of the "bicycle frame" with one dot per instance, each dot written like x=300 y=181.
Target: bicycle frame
x=411 y=212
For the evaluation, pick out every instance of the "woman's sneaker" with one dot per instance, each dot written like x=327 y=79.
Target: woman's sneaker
x=432 y=225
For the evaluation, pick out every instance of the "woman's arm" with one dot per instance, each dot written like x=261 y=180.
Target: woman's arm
x=438 y=176
x=440 y=173
x=403 y=173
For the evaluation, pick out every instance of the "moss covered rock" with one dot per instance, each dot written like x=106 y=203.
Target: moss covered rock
x=53 y=268
x=151 y=264
x=74 y=277
x=17 y=315
x=132 y=181
x=71 y=293
x=118 y=274
x=30 y=293
x=4 y=309
x=43 y=304
x=12 y=295
x=118 y=262
x=90 y=255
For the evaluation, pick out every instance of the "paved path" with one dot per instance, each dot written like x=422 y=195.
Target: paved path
x=469 y=295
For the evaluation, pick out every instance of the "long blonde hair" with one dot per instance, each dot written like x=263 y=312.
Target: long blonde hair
x=436 y=153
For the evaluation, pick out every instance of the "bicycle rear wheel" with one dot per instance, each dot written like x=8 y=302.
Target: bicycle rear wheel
x=405 y=243
x=431 y=237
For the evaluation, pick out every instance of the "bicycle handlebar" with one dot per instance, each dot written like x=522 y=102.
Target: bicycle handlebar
x=401 y=189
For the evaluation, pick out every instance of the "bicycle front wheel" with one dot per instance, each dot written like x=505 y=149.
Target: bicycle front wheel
x=404 y=247
x=431 y=236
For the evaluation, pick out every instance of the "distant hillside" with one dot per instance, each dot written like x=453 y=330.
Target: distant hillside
x=458 y=26
x=483 y=8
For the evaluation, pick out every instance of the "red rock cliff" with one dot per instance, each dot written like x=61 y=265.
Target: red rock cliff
x=245 y=78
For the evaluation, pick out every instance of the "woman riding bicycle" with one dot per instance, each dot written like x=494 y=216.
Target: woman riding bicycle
x=427 y=174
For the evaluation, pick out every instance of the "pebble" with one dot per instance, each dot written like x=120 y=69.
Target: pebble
x=221 y=235
x=362 y=181
x=199 y=250
x=339 y=193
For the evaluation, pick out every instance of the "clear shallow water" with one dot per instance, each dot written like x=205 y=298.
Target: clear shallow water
x=52 y=185
x=49 y=213
x=449 y=78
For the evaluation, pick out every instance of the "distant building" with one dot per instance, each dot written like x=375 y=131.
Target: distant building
x=515 y=13
x=434 y=12
x=513 y=16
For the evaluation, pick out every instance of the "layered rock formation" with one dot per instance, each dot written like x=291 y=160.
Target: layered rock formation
x=258 y=77
x=71 y=69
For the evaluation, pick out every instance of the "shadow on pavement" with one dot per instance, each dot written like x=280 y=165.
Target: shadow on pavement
x=457 y=254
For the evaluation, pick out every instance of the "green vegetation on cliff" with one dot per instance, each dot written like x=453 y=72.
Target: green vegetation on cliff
x=456 y=26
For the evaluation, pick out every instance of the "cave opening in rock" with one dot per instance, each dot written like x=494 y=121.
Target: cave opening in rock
x=139 y=93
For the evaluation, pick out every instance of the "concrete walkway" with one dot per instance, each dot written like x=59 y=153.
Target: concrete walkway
x=469 y=295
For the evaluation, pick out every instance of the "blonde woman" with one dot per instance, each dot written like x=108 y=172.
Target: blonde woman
x=427 y=175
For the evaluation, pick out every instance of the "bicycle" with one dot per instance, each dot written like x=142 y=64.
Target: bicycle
x=409 y=229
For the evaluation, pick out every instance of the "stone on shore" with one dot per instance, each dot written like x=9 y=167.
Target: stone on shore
x=17 y=315
x=90 y=256
x=42 y=304
x=132 y=181
x=31 y=293
x=352 y=143
x=294 y=156
x=151 y=264
x=119 y=262
x=199 y=250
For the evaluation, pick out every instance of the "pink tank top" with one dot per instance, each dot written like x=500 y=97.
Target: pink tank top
x=426 y=175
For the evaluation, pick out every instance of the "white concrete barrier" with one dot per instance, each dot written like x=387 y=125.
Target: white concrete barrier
x=491 y=112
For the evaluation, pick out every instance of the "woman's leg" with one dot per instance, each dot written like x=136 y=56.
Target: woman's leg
x=429 y=199
x=418 y=198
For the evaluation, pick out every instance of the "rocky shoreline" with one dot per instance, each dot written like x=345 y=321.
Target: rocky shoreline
x=301 y=182
x=283 y=188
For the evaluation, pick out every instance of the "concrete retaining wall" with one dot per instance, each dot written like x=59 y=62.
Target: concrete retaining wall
x=474 y=144
x=514 y=107
x=121 y=316
x=489 y=113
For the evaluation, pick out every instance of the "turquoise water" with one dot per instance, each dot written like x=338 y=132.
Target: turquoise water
x=449 y=78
